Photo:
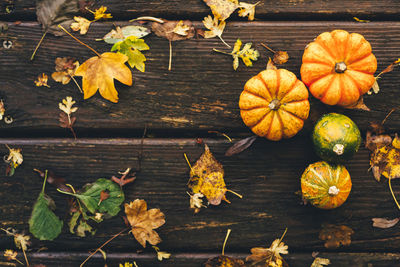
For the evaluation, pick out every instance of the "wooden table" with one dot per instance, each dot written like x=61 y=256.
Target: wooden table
x=199 y=94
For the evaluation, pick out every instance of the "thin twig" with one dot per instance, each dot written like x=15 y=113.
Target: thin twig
x=170 y=55
x=105 y=243
x=264 y=45
x=79 y=41
x=37 y=46
x=26 y=258
x=387 y=116
x=226 y=239
x=233 y=192
x=72 y=77
x=224 y=41
x=223 y=52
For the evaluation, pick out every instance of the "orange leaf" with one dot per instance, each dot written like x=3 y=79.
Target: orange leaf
x=99 y=73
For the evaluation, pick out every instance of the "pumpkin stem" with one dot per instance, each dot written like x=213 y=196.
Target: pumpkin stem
x=333 y=190
x=274 y=104
x=340 y=67
x=338 y=149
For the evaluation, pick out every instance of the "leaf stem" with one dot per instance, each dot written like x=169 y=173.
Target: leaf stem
x=387 y=116
x=187 y=160
x=37 y=46
x=226 y=239
x=72 y=77
x=26 y=258
x=79 y=41
x=264 y=45
x=20 y=262
x=223 y=52
x=170 y=55
x=233 y=192
x=283 y=235
x=391 y=191
x=219 y=36
x=45 y=179
x=105 y=243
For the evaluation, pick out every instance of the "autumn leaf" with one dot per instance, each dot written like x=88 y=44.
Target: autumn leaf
x=161 y=254
x=247 y=54
x=320 y=262
x=215 y=27
x=42 y=80
x=99 y=72
x=384 y=223
x=375 y=86
x=65 y=118
x=100 y=13
x=81 y=24
x=247 y=9
x=120 y=34
x=207 y=178
x=65 y=69
x=240 y=146
x=269 y=256
x=181 y=28
x=143 y=221
x=222 y=9
x=360 y=105
x=166 y=30
x=385 y=158
x=13 y=160
x=131 y=47
x=222 y=260
x=336 y=235
x=125 y=178
x=280 y=57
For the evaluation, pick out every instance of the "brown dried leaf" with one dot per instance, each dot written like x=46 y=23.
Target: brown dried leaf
x=384 y=223
x=54 y=180
x=240 y=146
x=124 y=180
x=358 y=105
x=320 y=262
x=372 y=142
x=271 y=65
x=269 y=256
x=143 y=222
x=166 y=30
x=336 y=235
x=281 y=57
x=224 y=261
x=207 y=178
x=390 y=67
x=385 y=160
x=222 y=9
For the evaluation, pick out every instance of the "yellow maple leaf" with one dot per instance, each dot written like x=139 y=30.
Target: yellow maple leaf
x=99 y=73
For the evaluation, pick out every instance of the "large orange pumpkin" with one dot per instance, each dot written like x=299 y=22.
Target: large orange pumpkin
x=326 y=186
x=338 y=67
x=274 y=104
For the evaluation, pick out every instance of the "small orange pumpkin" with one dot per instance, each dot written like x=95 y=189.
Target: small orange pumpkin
x=325 y=186
x=338 y=67
x=274 y=104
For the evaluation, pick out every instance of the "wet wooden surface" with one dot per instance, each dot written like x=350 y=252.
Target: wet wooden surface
x=199 y=94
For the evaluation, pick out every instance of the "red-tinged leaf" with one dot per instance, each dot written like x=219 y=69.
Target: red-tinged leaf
x=103 y=196
x=240 y=146
x=124 y=180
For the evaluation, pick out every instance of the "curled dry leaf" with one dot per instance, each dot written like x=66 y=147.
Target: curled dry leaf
x=240 y=146
x=65 y=69
x=385 y=160
x=181 y=28
x=384 y=223
x=166 y=30
x=99 y=72
x=269 y=256
x=81 y=24
x=320 y=262
x=271 y=65
x=336 y=235
x=222 y=9
x=207 y=178
x=280 y=57
x=143 y=221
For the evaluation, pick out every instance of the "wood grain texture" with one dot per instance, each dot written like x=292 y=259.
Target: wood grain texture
x=267 y=175
x=196 y=9
x=190 y=259
x=199 y=94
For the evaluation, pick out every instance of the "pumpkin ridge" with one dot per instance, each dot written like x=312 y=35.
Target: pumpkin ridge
x=292 y=114
x=269 y=129
x=359 y=59
x=262 y=118
x=346 y=47
x=358 y=47
x=321 y=179
x=326 y=49
x=281 y=122
x=291 y=89
x=318 y=62
x=319 y=77
x=342 y=88
x=334 y=76
x=362 y=71
x=259 y=96
x=314 y=185
x=258 y=77
x=278 y=82
x=355 y=83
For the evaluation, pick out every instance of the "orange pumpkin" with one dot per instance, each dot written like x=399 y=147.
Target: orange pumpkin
x=326 y=186
x=338 y=67
x=274 y=104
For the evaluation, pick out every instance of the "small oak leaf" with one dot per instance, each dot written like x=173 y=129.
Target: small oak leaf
x=143 y=221
x=247 y=9
x=42 y=80
x=81 y=24
x=99 y=73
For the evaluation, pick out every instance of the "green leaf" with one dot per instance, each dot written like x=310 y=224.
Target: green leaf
x=84 y=227
x=120 y=34
x=44 y=224
x=131 y=47
x=73 y=221
x=90 y=197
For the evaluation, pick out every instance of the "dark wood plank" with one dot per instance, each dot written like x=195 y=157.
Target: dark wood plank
x=200 y=93
x=268 y=175
x=197 y=259
x=196 y=9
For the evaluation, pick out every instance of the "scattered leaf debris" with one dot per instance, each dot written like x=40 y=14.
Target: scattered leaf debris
x=161 y=254
x=335 y=235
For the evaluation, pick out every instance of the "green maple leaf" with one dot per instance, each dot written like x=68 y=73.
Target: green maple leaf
x=44 y=224
x=131 y=47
